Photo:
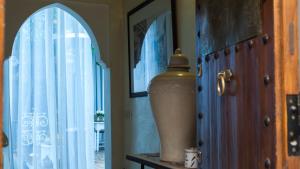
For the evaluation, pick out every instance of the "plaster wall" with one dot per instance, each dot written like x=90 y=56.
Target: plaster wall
x=140 y=132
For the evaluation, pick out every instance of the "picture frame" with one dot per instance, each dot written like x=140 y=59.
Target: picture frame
x=151 y=41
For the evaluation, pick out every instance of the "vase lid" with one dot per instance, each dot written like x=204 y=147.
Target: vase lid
x=179 y=60
x=191 y=150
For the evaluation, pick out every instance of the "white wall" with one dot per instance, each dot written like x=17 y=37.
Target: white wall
x=105 y=18
x=186 y=25
x=140 y=132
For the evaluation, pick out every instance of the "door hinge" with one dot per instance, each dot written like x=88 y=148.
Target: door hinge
x=293 y=122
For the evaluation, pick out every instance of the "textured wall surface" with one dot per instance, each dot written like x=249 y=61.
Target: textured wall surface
x=140 y=131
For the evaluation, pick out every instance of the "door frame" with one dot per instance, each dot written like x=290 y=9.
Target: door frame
x=287 y=74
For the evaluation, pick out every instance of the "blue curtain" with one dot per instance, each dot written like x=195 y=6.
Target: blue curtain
x=49 y=95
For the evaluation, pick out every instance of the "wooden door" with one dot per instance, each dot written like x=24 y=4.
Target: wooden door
x=246 y=127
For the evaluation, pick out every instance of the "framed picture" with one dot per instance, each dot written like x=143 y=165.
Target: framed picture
x=151 y=41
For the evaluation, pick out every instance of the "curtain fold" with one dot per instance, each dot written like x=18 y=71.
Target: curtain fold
x=49 y=103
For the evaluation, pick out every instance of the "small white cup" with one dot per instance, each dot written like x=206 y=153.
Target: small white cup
x=193 y=157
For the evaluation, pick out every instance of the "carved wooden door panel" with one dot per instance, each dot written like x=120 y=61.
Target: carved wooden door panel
x=234 y=129
x=244 y=127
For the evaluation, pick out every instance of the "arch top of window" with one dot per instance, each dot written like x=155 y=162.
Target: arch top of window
x=97 y=32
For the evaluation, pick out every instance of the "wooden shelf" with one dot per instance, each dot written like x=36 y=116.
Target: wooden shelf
x=152 y=160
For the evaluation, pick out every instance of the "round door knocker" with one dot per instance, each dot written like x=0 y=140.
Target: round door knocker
x=222 y=78
x=221 y=84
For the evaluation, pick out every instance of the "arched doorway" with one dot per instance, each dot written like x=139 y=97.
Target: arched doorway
x=54 y=95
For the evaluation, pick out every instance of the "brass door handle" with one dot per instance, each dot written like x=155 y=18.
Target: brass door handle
x=200 y=71
x=223 y=78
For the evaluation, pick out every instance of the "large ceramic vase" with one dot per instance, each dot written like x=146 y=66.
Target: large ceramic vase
x=172 y=96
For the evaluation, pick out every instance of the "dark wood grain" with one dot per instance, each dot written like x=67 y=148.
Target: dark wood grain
x=232 y=128
x=203 y=124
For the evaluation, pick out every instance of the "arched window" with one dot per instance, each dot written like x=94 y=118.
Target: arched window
x=51 y=97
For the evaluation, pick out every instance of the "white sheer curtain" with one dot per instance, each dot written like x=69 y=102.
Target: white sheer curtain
x=49 y=95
